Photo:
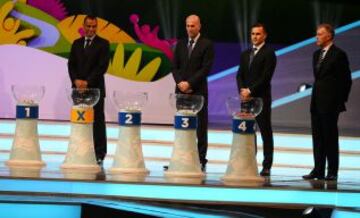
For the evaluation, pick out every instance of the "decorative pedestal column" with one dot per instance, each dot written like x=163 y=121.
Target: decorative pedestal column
x=81 y=151
x=129 y=156
x=185 y=156
x=242 y=164
x=25 y=150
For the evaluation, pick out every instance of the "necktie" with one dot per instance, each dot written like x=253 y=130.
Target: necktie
x=190 y=47
x=320 y=60
x=252 y=55
x=87 y=43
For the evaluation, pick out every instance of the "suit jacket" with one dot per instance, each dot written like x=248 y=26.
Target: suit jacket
x=332 y=81
x=257 y=76
x=89 y=64
x=196 y=68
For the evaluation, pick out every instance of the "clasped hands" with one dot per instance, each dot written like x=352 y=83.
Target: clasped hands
x=185 y=87
x=245 y=94
x=81 y=84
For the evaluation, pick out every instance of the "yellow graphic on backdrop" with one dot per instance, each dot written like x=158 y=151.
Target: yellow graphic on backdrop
x=131 y=71
x=9 y=27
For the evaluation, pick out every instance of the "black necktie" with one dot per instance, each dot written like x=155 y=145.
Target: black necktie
x=320 y=60
x=252 y=55
x=87 y=43
x=190 y=47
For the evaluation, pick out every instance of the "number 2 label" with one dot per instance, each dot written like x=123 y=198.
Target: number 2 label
x=129 y=119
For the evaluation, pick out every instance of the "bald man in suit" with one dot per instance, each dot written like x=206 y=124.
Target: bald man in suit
x=193 y=60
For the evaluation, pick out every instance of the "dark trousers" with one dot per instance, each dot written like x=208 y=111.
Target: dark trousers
x=325 y=137
x=264 y=122
x=99 y=131
x=202 y=130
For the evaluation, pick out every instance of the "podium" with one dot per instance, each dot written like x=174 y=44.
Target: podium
x=25 y=150
x=81 y=151
x=185 y=160
x=242 y=164
x=129 y=156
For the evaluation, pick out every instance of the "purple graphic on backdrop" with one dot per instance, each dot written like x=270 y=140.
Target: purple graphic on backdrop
x=150 y=37
x=54 y=8
x=49 y=34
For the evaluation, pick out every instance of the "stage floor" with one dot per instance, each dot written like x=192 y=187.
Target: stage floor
x=293 y=158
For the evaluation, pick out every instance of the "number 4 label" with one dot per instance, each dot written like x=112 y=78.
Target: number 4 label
x=242 y=126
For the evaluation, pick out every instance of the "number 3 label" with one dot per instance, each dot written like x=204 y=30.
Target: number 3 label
x=185 y=122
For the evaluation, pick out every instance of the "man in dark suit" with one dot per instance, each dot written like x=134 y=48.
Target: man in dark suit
x=330 y=92
x=192 y=63
x=88 y=62
x=257 y=66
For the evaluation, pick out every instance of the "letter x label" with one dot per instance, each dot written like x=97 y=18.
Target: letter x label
x=81 y=115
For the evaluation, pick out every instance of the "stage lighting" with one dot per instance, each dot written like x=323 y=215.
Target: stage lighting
x=303 y=86
x=311 y=212
x=314 y=212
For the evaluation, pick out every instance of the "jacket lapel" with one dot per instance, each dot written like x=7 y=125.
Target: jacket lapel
x=324 y=62
x=196 y=46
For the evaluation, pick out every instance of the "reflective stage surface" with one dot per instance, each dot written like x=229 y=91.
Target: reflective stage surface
x=293 y=158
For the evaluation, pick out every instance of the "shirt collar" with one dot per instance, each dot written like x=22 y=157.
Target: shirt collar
x=91 y=38
x=195 y=39
x=326 y=48
x=259 y=46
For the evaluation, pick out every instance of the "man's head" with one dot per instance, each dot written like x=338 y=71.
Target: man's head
x=324 y=35
x=90 y=25
x=193 y=26
x=258 y=34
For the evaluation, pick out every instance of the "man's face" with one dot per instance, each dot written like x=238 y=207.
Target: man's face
x=90 y=26
x=258 y=35
x=323 y=37
x=192 y=27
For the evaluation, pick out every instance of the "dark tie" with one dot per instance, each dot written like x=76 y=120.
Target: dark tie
x=87 y=43
x=321 y=59
x=190 y=47
x=252 y=55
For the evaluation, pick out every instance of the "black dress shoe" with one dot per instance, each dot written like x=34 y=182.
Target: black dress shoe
x=203 y=167
x=312 y=176
x=331 y=177
x=100 y=162
x=265 y=172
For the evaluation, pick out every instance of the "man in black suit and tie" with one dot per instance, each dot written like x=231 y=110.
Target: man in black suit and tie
x=88 y=62
x=192 y=63
x=257 y=66
x=330 y=92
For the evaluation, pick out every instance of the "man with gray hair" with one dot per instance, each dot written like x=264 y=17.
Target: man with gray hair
x=330 y=92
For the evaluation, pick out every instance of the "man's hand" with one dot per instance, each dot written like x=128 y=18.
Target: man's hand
x=80 y=84
x=184 y=87
x=245 y=93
